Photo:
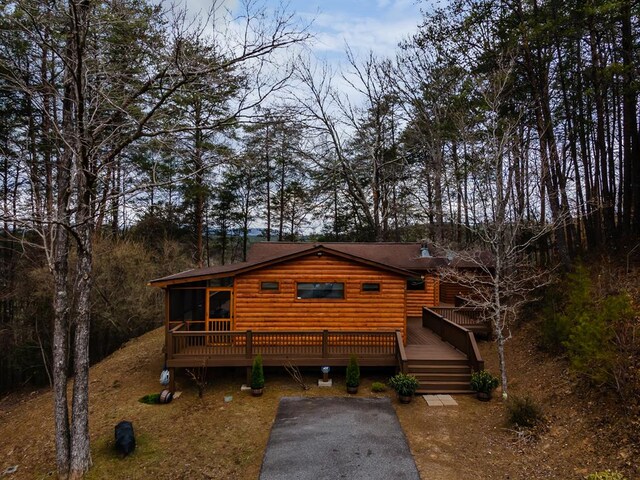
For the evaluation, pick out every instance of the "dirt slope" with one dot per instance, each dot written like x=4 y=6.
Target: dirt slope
x=208 y=438
x=579 y=435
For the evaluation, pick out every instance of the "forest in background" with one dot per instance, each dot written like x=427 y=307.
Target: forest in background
x=135 y=144
x=521 y=110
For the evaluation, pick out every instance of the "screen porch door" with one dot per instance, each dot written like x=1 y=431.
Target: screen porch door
x=219 y=310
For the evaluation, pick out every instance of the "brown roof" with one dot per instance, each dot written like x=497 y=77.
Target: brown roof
x=474 y=261
x=399 y=255
x=396 y=257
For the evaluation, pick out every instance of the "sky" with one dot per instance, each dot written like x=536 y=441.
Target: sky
x=376 y=25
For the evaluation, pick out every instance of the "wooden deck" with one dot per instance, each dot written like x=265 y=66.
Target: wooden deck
x=188 y=348
x=438 y=352
x=423 y=344
x=472 y=319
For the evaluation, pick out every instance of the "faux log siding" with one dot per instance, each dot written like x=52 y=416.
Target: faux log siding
x=427 y=298
x=449 y=290
x=358 y=311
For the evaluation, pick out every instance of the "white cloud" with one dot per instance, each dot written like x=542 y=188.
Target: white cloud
x=362 y=33
x=205 y=5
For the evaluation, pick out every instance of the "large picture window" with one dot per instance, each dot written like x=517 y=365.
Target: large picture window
x=320 y=290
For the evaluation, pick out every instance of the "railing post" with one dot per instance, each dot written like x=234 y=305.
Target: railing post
x=400 y=353
x=325 y=343
x=170 y=351
x=249 y=342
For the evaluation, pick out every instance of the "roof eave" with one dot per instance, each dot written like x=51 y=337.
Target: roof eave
x=167 y=281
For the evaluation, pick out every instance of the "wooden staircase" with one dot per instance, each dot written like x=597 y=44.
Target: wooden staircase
x=438 y=365
x=441 y=376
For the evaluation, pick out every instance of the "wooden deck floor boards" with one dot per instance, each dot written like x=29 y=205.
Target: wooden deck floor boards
x=423 y=344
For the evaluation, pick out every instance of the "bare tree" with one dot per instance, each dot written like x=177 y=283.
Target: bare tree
x=100 y=110
x=338 y=122
x=500 y=270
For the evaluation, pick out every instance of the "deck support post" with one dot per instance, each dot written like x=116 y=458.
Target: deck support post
x=325 y=343
x=249 y=344
x=169 y=345
x=172 y=380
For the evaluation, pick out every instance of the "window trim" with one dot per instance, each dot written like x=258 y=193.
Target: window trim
x=322 y=299
x=370 y=292
x=422 y=280
x=269 y=290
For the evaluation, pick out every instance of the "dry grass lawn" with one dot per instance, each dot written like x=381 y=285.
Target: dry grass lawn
x=210 y=439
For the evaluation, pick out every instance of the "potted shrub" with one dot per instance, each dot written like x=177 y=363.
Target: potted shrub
x=257 y=377
x=484 y=384
x=405 y=386
x=353 y=375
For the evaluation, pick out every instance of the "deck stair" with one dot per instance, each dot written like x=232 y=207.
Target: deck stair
x=438 y=365
x=438 y=377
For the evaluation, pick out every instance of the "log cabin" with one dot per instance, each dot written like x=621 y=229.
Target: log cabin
x=316 y=304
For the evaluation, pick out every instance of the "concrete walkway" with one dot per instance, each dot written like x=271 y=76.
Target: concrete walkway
x=334 y=438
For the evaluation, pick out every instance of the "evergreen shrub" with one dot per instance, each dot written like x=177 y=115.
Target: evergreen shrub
x=353 y=372
x=257 y=373
x=524 y=412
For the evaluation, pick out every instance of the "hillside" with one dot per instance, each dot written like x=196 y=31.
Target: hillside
x=208 y=438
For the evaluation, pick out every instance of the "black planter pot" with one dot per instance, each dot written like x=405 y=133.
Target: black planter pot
x=257 y=392
x=352 y=390
x=405 y=398
x=484 y=396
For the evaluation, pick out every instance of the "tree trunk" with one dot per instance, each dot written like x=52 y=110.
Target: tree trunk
x=80 y=452
x=631 y=136
x=268 y=181
x=499 y=325
x=60 y=344
x=60 y=269
x=198 y=207
x=283 y=179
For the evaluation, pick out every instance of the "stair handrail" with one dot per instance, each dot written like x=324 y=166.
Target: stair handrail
x=401 y=355
x=458 y=336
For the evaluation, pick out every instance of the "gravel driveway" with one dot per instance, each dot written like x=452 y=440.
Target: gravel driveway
x=334 y=438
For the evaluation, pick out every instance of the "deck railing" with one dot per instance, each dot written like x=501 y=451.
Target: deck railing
x=468 y=317
x=455 y=334
x=216 y=346
x=460 y=301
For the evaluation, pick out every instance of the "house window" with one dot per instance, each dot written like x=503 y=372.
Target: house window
x=415 y=284
x=320 y=290
x=370 y=287
x=269 y=286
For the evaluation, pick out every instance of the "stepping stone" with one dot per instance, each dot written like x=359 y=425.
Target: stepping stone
x=433 y=400
x=440 y=400
x=447 y=400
